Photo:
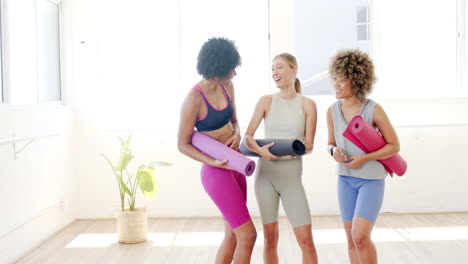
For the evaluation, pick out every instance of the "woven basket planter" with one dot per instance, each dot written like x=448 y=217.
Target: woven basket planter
x=132 y=226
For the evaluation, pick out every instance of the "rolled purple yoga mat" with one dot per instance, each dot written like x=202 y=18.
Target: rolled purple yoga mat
x=219 y=151
x=366 y=137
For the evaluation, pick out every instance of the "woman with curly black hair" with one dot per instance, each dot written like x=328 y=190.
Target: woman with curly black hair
x=210 y=107
x=361 y=178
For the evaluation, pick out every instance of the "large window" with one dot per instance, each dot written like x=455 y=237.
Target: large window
x=31 y=52
x=363 y=23
x=322 y=27
x=144 y=60
x=246 y=23
x=462 y=45
x=132 y=64
x=418 y=47
x=2 y=97
x=48 y=51
x=415 y=47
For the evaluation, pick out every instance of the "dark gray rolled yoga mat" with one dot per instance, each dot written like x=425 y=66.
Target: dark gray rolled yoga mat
x=282 y=147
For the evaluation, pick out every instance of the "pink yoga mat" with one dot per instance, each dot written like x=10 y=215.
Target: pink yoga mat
x=219 y=151
x=365 y=137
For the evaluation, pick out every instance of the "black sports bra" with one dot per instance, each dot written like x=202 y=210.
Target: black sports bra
x=214 y=118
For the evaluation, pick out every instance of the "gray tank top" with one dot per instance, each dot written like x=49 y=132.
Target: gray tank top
x=371 y=170
x=286 y=119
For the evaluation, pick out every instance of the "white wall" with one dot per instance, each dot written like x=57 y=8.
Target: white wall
x=57 y=179
x=36 y=188
x=428 y=130
x=133 y=75
x=422 y=124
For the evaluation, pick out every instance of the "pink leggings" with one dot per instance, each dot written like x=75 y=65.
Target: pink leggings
x=228 y=190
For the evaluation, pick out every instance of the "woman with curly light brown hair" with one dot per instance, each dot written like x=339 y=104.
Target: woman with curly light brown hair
x=361 y=178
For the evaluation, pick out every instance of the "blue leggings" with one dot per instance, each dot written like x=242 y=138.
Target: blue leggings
x=360 y=197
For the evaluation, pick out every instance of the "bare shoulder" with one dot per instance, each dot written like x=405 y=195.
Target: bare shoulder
x=308 y=102
x=264 y=103
x=193 y=98
x=378 y=108
x=380 y=117
x=329 y=111
x=379 y=111
x=229 y=86
x=265 y=99
x=308 y=106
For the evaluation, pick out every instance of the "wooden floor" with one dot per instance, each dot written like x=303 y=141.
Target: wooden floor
x=416 y=238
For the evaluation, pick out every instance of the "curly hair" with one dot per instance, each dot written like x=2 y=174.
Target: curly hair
x=355 y=65
x=217 y=58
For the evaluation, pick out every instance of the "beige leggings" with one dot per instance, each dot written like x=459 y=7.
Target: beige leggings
x=281 y=179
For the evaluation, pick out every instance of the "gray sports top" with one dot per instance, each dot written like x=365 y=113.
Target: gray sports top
x=286 y=119
x=371 y=170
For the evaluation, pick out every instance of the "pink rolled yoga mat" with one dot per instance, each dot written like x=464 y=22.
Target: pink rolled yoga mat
x=365 y=137
x=219 y=151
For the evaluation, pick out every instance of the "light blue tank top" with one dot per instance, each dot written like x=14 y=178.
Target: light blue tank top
x=371 y=170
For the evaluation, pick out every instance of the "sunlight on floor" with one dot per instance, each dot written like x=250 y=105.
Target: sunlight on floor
x=322 y=236
x=93 y=240
x=435 y=233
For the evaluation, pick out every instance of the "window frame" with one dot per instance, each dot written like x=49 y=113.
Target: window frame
x=3 y=97
x=461 y=90
x=366 y=23
x=61 y=100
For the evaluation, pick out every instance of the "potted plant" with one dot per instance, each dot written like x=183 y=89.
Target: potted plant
x=132 y=222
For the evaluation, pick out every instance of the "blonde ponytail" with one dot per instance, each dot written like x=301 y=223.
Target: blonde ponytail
x=298 y=86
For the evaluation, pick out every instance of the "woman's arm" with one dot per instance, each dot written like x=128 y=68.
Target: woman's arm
x=310 y=111
x=392 y=147
x=188 y=117
x=234 y=141
x=260 y=112
x=338 y=153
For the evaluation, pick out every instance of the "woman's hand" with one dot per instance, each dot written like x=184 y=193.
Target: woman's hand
x=220 y=164
x=265 y=152
x=339 y=155
x=234 y=141
x=355 y=162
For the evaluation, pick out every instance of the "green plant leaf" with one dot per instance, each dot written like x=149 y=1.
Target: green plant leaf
x=148 y=182
x=155 y=164
x=119 y=180
x=125 y=155
x=124 y=186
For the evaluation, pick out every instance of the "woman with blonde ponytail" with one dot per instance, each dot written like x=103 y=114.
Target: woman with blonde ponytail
x=287 y=115
x=298 y=86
